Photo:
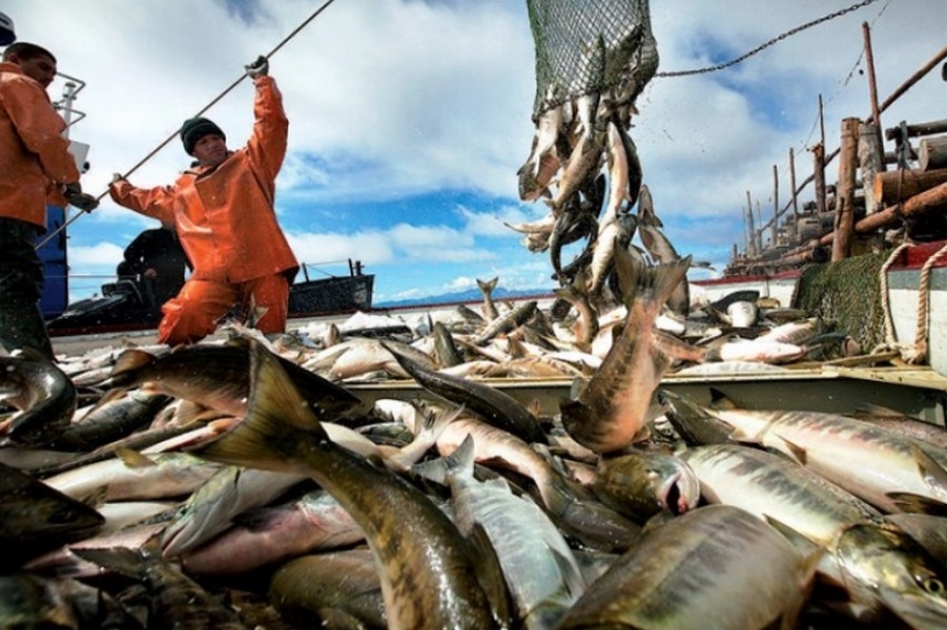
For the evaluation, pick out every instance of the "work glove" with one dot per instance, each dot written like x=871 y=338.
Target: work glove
x=259 y=68
x=118 y=177
x=82 y=201
x=78 y=199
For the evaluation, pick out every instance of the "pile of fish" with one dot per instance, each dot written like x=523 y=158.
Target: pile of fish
x=249 y=483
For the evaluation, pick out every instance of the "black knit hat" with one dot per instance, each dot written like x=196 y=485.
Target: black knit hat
x=194 y=129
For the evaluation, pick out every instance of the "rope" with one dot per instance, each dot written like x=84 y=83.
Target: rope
x=923 y=307
x=891 y=341
x=220 y=96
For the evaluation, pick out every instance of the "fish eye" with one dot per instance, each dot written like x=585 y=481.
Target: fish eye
x=933 y=585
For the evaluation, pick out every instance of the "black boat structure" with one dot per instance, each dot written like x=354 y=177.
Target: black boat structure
x=124 y=304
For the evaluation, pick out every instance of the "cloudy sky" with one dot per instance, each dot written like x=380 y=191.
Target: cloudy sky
x=410 y=118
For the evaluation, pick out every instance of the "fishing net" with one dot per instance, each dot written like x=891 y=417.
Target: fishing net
x=848 y=294
x=586 y=46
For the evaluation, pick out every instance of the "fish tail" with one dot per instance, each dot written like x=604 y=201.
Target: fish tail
x=487 y=286
x=277 y=426
x=654 y=284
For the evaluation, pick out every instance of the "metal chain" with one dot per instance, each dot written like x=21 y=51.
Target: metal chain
x=761 y=47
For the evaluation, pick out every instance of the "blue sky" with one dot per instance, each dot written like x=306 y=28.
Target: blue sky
x=410 y=118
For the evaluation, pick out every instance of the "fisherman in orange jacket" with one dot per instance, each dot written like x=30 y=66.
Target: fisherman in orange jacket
x=36 y=169
x=222 y=209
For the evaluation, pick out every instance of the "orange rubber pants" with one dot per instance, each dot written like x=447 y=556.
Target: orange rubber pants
x=196 y=310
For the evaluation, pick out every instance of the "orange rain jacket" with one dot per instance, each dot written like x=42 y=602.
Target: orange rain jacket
x=34 y=157
x=224 y=216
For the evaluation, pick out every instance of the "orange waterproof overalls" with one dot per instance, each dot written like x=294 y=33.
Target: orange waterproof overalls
x=227 y=225
x=34 y=160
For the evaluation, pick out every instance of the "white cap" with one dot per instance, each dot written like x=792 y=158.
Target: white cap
x=7 y=36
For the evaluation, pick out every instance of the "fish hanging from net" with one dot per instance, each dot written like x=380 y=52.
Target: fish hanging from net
x=593 y=59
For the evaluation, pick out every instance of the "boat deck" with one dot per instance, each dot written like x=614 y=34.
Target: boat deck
x=917 y=392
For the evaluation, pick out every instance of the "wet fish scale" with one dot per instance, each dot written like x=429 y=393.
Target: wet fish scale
x=834 y=445
x=694 y=569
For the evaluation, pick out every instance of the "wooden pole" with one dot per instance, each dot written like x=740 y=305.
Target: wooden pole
x=914 y=78
x=751 y=230
x=932 y=153
x=873 y=89
x=870 y=158
x=929 y=200
x=818 y=172
x=759 y=234
x=792 y=181
x=892 y=187
x=775 y=204
x=845 y=201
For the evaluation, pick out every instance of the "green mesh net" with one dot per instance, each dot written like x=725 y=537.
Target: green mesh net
x=585 y=46
x=847 y=294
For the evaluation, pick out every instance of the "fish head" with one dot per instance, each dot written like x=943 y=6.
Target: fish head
x=885 y=570
x=663 y=482
x=743 y=314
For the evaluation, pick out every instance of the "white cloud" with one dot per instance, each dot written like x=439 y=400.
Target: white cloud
x=399 y=98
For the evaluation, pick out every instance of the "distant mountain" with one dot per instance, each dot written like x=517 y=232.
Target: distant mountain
x=470 y=295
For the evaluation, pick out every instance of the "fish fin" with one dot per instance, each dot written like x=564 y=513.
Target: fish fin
x=719 y=400
x=644 y=433
x=796 y=452
x=111 y=395
x=488 y=285
x=805 y=545
x=656 y=283
x=440 y=470
x=878 y=410
x=131 y=360
x=133 y=459
x=489 y=573
x=933 y=473
x=121 y=560
x=96 y=498
x=435 y=470
x=917 y=504
x=277 y=419
x=535 y=407
x=812 y=557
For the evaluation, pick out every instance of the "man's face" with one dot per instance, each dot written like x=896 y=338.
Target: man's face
x=40 y=68
x=210 y=150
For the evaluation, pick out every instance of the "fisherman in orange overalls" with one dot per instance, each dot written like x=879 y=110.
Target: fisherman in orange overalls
x=36 y=169
x=222 y=209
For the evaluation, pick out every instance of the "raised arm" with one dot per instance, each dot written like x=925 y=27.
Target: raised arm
x=267 y=145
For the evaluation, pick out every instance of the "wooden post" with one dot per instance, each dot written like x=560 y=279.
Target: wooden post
x=792 y=179
x=845 y=200
x=818 y=172
x=893 y=187
x=873 y=93
x=870 y=158
x=759 y=233
x=775 y=204
x=932 y=153
x=750 y=229
x=932 y=200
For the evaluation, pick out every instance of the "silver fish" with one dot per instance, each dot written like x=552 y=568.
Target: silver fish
x=694 y=571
